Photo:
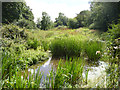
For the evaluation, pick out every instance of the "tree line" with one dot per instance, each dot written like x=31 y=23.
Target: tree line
x=100 y=16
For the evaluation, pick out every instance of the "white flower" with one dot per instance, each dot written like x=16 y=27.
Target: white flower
x=97 y=52
x=116 y=47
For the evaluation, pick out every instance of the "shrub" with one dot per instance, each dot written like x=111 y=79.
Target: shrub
x=72 y=23
x=61 y=28
x=25 y=23
x=113 y=44
x=114 y=31
x=33 y=56
x=45 y=45
x=12 y=32
x=33 y=43
x=67 y=46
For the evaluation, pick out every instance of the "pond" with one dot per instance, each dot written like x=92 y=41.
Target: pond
x=96 y=73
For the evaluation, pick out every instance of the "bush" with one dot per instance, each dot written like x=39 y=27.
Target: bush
x=61 y=28
x=72 y=23
x=33 y=43
x=45 y=45
x=12 y=32
x=113 y=46
x=25 y=23
x=33 y=56
x=114 y=31
x=67 y=46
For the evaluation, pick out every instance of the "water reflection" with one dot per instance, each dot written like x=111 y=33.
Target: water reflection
x=95 y=69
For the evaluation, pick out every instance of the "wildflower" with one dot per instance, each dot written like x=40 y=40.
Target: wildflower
x=22 y=77
x=116 y=47
x=97 y=52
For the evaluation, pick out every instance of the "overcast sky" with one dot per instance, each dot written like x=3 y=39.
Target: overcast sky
x=69 y=7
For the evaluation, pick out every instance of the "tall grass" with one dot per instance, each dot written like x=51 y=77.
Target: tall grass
x=67 y=46
x=23 y=80
x=91 y=47
x=8 y=62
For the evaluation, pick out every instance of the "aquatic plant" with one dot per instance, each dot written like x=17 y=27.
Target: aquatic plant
x=93 y=49
x=21 y=79
x=69 y=73
x=67 y=46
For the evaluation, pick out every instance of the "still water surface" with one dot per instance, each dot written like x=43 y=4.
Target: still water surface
x=95 y=70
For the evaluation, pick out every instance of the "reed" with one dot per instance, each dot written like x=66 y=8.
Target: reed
x=67 y=46
x=91 y=48
x=69 y=73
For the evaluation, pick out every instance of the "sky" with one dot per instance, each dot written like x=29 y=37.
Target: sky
x=70 y=8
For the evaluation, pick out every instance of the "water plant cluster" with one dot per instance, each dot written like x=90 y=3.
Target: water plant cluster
x=76 y=47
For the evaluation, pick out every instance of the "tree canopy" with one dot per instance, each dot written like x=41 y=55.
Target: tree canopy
x=104 y=13
x=14 y=11
x=46 y=21
x=11 y=11
x=83 y=18
x=61 y=20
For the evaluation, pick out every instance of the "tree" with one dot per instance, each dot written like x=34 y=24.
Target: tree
x=104 y=13
x=46 y=23
x=11 y=11
x=83 y=18
x=18 y=13
x=72 y=23
x=38 y=23
x=26 y=12
x=61 y=20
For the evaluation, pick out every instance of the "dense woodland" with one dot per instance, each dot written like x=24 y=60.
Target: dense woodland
x=91 y=34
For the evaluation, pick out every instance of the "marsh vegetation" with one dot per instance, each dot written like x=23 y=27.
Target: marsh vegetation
x=68 y=53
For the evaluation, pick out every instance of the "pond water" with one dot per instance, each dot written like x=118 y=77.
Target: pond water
x=95 y=74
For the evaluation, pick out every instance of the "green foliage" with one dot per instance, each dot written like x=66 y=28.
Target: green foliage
x=91 y=48
x=33 y=56
x=46 y=23
x=72 y=23
x=112 y=34
x=13 y=32
x=26 y=13
x=33 y=43
x=61 y=28
x=7 y=62
x=83 y=18
x=11 y=11
x=24 y=23
x=114 y=31
x=67 y=46
x=38 y=23
x=103 y=14
x=14 y=11
x=69 y=73
x=22 y=80
x=61 y=20
x=113 y=52
x=45 y=45
x=113 y=70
